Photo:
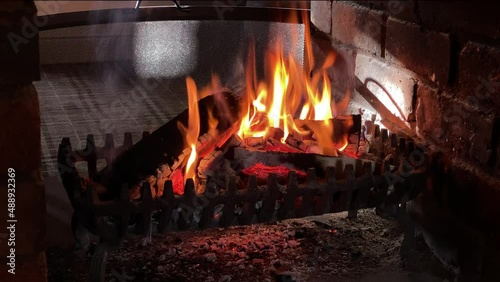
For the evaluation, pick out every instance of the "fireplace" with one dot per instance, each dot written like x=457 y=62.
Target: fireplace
x=379 y=109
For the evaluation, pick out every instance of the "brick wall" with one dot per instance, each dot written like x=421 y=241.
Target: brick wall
x=438 y=60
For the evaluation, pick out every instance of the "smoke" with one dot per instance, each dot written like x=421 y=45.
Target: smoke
x=236 y=82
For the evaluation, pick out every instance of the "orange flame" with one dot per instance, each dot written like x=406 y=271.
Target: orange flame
x=344 y=146
x=192 y=132
x=290 y=94
x=212 y=123
x=293 y=94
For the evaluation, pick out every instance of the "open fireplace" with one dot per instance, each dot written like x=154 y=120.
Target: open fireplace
x=194 y=140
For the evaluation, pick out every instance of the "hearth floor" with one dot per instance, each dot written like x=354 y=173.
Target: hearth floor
x=321 y=248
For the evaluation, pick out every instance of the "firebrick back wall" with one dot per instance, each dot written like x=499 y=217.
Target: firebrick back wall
x=442 y=57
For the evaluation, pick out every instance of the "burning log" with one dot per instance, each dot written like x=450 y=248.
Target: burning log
x=342 y=126
x=296 y=137
x=205 y=145
x=164 y=145
x=217 y=142
x=247 y=157
x=295 y=140
x=269 y=144
x=255 y=142
x=208 y=163
x=275 y=133
x=313 y=148
x=206 y=148
x=262 y=173
x=345 y=135
x=277 y=146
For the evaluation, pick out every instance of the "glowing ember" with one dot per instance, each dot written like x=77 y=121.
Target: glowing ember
x=262 y=172
x=177 y=182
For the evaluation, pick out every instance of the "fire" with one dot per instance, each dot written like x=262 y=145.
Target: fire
x=292 y=95
x=192 y=132
x=289 y=97
x=344 y=146
x=190 y=167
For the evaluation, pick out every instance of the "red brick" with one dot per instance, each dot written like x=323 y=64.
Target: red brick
x=425 y=53
x=466 y=19
x=428 y=114
x=480 y=129
x=398 y=83
x=404 y=10
x=357 y=26
x=453 y=124
x=321 y=15
x=479 y=76
x=466 y=131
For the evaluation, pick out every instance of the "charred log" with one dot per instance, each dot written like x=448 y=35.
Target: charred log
x=164 y=145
